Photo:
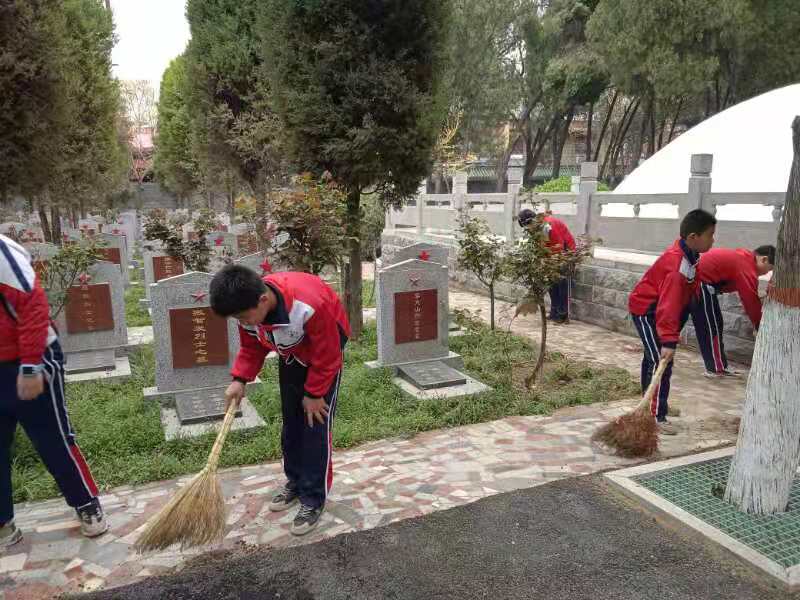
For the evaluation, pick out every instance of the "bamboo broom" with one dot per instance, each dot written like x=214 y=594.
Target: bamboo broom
x=195 y=515
x=634 y=434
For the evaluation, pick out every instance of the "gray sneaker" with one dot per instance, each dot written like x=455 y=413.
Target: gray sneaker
x=285 y=499
x=10 y=534
x=667 y=428
x=93 y=521
x=306 y=520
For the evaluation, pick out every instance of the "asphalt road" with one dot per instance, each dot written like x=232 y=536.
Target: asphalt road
x=573 y=539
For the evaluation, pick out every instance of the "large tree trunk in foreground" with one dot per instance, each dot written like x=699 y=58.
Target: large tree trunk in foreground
x=768 y=449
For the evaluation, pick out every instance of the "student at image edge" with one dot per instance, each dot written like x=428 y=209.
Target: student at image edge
x=723 y=271
x=560 y=239
x=32 y=395
x=301 y=318
x=659 y=304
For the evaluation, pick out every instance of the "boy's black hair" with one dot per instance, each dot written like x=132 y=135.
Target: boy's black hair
x=768 y=251
x=525 y=216
x=697 y=221
x=235 y=289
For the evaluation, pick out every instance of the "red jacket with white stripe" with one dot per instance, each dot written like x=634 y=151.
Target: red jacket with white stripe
x=731 y=270
x=307 y=325
x=560 y=236
x=25 y=329
x=667 y=288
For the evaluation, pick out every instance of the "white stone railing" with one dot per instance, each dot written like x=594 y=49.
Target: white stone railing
x=437 y=214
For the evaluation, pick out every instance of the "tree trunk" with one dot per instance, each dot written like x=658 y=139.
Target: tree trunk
x=48 y=233
x=651 y=142
x=353 y=290
x=502 y=163
x=604 y=127
x=55 y=224
x=491 y=306
x=534 y=153
x=768 y=449
x=530 y=380
x=559 y=140
x=675 y=120
x=590 y=118
x=81 y=208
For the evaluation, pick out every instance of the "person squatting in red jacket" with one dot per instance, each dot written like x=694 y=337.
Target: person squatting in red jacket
x=659 y=304
x=300 y=318
x=32 y=394
x=560 y=239
x=724 y=271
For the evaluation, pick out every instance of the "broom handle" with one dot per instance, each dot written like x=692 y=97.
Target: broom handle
x=213 y=458
x=651 y=389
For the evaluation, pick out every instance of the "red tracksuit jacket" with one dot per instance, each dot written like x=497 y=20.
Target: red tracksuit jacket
x=25 y=328
x=307 y=325
x=667 y=288
x=560 y=236
x=731 y=270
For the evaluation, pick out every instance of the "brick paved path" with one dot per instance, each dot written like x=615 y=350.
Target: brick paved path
x=379 y=482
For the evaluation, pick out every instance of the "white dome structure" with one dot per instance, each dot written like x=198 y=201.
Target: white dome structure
x=751 y=143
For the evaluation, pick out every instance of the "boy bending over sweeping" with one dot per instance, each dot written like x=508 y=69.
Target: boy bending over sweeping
x=302 y=319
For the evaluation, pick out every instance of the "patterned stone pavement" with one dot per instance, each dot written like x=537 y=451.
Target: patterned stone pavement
x=376 y=483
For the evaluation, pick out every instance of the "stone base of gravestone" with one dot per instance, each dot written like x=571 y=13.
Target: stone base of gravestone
x=120 y=371
x=453 y=360
x=174 y=429
x=432 y=375
x=470 y=387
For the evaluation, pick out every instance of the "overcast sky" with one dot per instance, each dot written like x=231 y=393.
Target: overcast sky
x=151 y=33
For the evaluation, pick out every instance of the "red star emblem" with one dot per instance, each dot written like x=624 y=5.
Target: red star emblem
x=198 y=296
x=265 y=267
x=84 y=278
x=218 y=241
x=424 y=255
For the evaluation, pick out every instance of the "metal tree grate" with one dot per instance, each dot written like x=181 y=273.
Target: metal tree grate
x=698 y=488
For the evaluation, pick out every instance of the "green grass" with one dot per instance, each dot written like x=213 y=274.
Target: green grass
x=135 y=314
x=120 y=433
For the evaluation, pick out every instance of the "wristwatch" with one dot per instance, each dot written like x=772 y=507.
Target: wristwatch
x=31 y=370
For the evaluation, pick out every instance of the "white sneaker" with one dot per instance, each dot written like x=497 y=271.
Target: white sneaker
x=712 y=375
x=667 y=428
x=93 y=521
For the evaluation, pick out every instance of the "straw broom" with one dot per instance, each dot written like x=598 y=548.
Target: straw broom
x=636 y=433
x=195 y=515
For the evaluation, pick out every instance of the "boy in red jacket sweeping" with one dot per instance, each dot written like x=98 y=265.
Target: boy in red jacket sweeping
x=32 y=395
x=723 y=271
x=302 y=319
x=560 y=239
x=659 y=304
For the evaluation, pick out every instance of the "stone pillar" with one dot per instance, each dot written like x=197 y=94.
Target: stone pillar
x=422 y=200
x=699 y=184
x=511 y=204
x=586 y=188
x=459 y=189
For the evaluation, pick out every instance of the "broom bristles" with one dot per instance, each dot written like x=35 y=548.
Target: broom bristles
x=632 y=435
x=193 y=517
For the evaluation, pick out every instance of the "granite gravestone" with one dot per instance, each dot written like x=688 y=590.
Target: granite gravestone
x=257 y=262
x=21 y=232
x=126 y=225
x=114 y=250
x=195 y=350
x=413 y=332
x=92 y=325
x=40 y=256
x=158 y=265
x=421 y=250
